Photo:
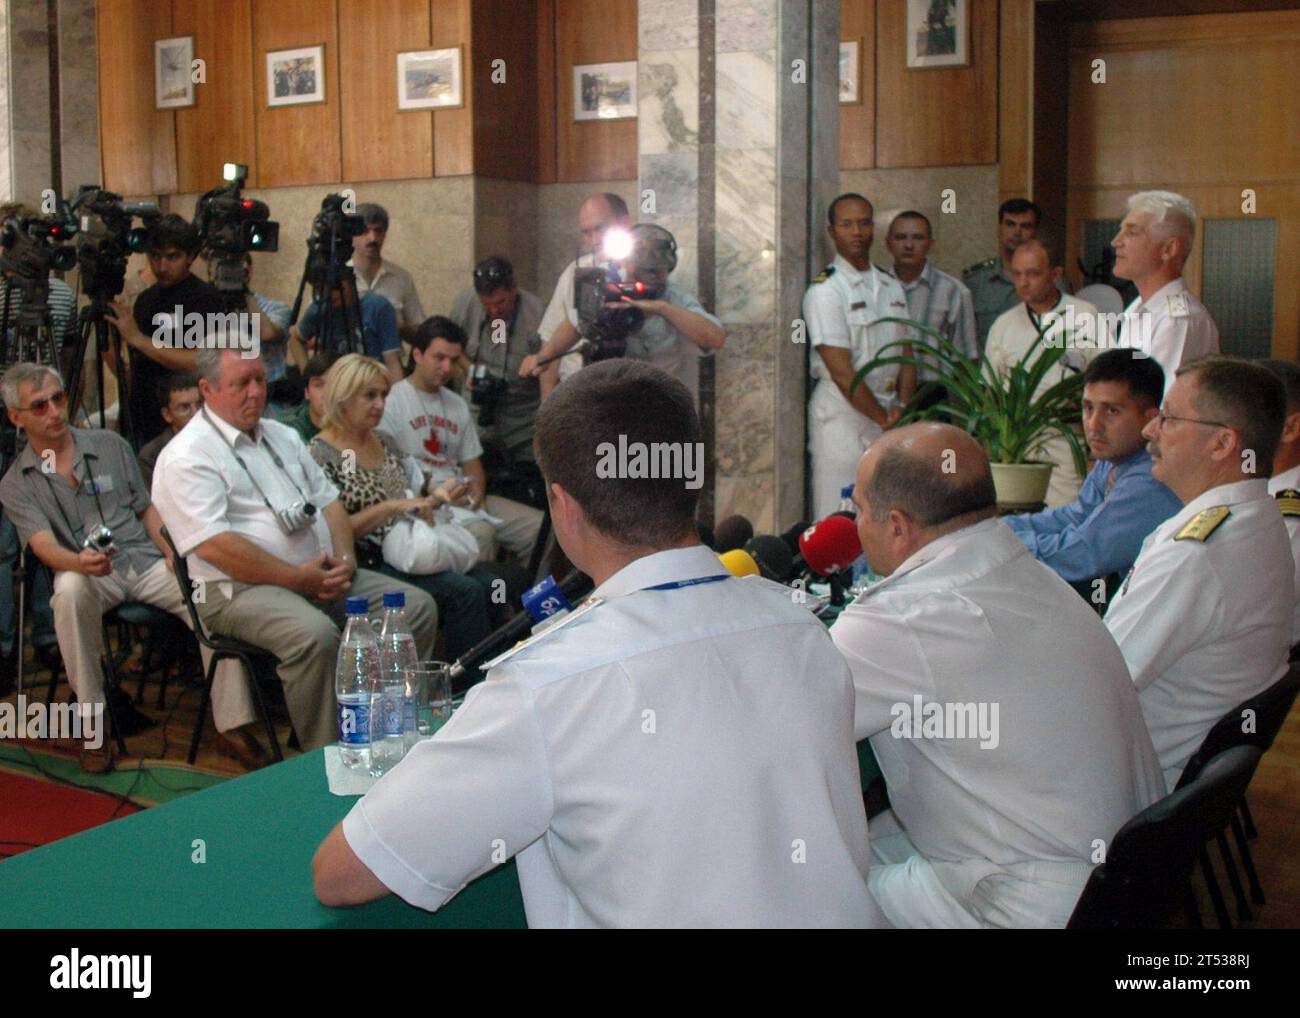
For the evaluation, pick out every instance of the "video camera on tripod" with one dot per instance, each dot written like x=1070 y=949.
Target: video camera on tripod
x=30 y=248
x=329 y=249
x=633 y=264
x=102 y=260
x=230 y=226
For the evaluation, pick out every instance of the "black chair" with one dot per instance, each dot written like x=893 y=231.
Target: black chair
x=1253 y=722
x=152 y=627
x=1148 y=867
x=223 y=648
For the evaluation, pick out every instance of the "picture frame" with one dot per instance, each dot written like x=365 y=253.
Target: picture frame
x=938 y=33
x=850 y=73
x=295 y=77
x=173 y=84
x=430 y=79
x=605 y=91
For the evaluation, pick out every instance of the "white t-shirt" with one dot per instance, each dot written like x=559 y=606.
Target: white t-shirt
x=435 y=428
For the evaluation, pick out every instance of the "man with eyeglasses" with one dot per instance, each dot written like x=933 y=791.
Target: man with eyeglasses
x=62 y=492
x=1204 y=617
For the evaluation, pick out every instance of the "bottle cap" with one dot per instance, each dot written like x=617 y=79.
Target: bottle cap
x=358 y=606
x=394 y=599
x=846 y=491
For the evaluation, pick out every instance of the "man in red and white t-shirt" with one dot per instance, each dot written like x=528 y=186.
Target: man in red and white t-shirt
x=433 y=424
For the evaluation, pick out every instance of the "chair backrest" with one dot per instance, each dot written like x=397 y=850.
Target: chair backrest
x=187 y=590
x=1149 y=862
x=1253 y=722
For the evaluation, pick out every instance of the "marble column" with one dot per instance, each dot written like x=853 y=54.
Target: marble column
x=739 y=141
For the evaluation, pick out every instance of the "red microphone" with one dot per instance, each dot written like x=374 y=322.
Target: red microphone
x=830 y=545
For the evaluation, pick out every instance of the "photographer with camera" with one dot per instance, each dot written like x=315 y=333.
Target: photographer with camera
x=78 y=500
x=378 y=276
x=173 y=246
x=500 y=321
x=628 y=308
x=378 y=325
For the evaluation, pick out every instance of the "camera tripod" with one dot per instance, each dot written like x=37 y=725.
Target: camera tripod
x=333 y=278
x=94 y=322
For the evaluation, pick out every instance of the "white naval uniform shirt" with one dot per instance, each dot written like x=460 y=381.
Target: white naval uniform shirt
x=839 y=312
x=670 y=757
x=973 y=618
x=1174 y=328
x=200 y=489
x=1280 y=482
x=1206 y=624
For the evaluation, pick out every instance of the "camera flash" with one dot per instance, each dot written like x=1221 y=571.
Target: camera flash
x=617 y=244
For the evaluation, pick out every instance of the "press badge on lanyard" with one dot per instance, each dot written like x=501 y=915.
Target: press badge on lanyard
x=101 y=485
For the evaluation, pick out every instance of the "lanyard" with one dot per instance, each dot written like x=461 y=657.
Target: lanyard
x=58 y=502
x=266 y=443
x=675 y=584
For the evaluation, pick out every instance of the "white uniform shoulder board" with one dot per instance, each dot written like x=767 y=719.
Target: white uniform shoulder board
x=1203 y=524
x=1178 y=305
x=577 y=613
x=1288 y=500
x=825 y=274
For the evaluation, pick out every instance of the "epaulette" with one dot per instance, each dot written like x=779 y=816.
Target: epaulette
x=986 y=264
x=825 y=274
x=1203 y=524
x=554 y=627
x=1288 y=500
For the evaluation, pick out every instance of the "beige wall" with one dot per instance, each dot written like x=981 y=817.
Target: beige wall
x=557 y=225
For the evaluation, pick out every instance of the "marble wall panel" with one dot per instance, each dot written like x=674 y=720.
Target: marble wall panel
x=667 y=102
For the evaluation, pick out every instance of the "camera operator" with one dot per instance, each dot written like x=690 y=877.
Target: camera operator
x=378 y=325
x=384 y=278
x=173 y=246
x=500 y=321
x=61 y=299
x=672 y=331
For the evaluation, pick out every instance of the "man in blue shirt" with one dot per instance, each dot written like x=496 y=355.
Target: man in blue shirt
x=378 y=327
x=1102 y=530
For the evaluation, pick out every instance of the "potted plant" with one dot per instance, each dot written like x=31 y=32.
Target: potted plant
x=1009 y=416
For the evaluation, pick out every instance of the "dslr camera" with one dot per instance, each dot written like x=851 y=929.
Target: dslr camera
x=230 y=226
x=487 y=394
x=636 y=265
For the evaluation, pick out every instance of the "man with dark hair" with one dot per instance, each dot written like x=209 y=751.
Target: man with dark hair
x=630 y=755
x=1009 y=748
x=381 y=277
x=378 y=326
x=501 y=321
x=1102 y=530
x=990 y=282
x=1204 y=618
x=1284 y=485
x=174 y=243
x=308 y=417
x=432 y=424
x=179 y=395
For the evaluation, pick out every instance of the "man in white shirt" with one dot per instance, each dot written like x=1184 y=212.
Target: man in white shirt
x=842 y=308
x=676 y=752
x=1166 y=320
x=377 y=275
x=1204 y=617
x=233 y=490
x=433 y=424
x=1063 y=320
x=999 y=709
x=1284 y=485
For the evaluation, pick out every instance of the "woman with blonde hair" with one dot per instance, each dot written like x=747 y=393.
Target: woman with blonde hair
x=376 y=482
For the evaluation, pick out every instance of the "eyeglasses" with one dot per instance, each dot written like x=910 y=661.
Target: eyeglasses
x=1163 y=417
x=41 y=405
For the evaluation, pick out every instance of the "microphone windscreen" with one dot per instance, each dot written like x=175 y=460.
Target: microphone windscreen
x=705 y=534
x=731 y=533
x=791 y=536
x=772 y=556
x=830 y=545
x=740 y=563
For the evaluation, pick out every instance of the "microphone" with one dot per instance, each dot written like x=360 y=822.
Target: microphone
x=733 y=532
x=740 y=563
x=830 y=545
x=773 y=557
x=791 y=536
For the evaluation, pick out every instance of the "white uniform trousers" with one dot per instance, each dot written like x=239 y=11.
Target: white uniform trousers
x=837 y=437
x=79 y=602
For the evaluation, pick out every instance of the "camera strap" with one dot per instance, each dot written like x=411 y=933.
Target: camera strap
x=80 y=525
x=266 y=443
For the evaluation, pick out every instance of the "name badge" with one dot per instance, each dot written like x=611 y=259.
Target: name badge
x=857 y=305
x=100 y=485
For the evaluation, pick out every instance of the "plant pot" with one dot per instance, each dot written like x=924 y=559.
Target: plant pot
x=1021 y=484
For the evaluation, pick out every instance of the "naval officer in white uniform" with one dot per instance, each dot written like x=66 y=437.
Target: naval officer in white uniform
x=999 y=709
x=678 y=751
x=1284 y=485
x=841 y=309
x=1204 y=617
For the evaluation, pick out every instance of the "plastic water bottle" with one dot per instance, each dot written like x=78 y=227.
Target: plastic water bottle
x=846 y=500
x=356 y=677
x=398 y=660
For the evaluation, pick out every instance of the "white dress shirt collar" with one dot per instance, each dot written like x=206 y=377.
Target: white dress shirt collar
x=985 y=544
x=1286 y=479
x=674 y=565
x=1233 y=493
x=1159 y=299
x=229 y=432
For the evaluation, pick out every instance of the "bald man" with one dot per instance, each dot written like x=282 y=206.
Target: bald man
x=1013 y=749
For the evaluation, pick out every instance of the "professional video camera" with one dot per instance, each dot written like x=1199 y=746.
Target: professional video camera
x=635 y=264
x=102 y=260
x=330 y=243
x=30 y=247
x=230 y=226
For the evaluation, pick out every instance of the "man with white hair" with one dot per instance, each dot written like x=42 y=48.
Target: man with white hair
x=1166 y=320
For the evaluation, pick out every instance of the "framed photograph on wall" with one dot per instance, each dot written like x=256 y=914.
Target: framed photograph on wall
x=172 y=84
x=604 y=91
x=938 y=33
x=849 y=64
x=429 y=79
x=295 y=76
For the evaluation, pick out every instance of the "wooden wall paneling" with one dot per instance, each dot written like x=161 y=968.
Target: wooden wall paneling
x=547 y=109
x=379 y=141
x=1016 y=48
x=219 y=127
x=137 y=143
x=944 y=116
x=1049 y=150
x=453 y=129
x=296 y=144
x=858 y=120
x=592 y=32
x=505 y=112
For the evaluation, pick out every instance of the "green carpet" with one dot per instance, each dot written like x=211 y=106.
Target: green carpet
x=149 y=782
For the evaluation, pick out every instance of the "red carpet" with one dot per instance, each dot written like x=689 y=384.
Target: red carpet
x=37 y=812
